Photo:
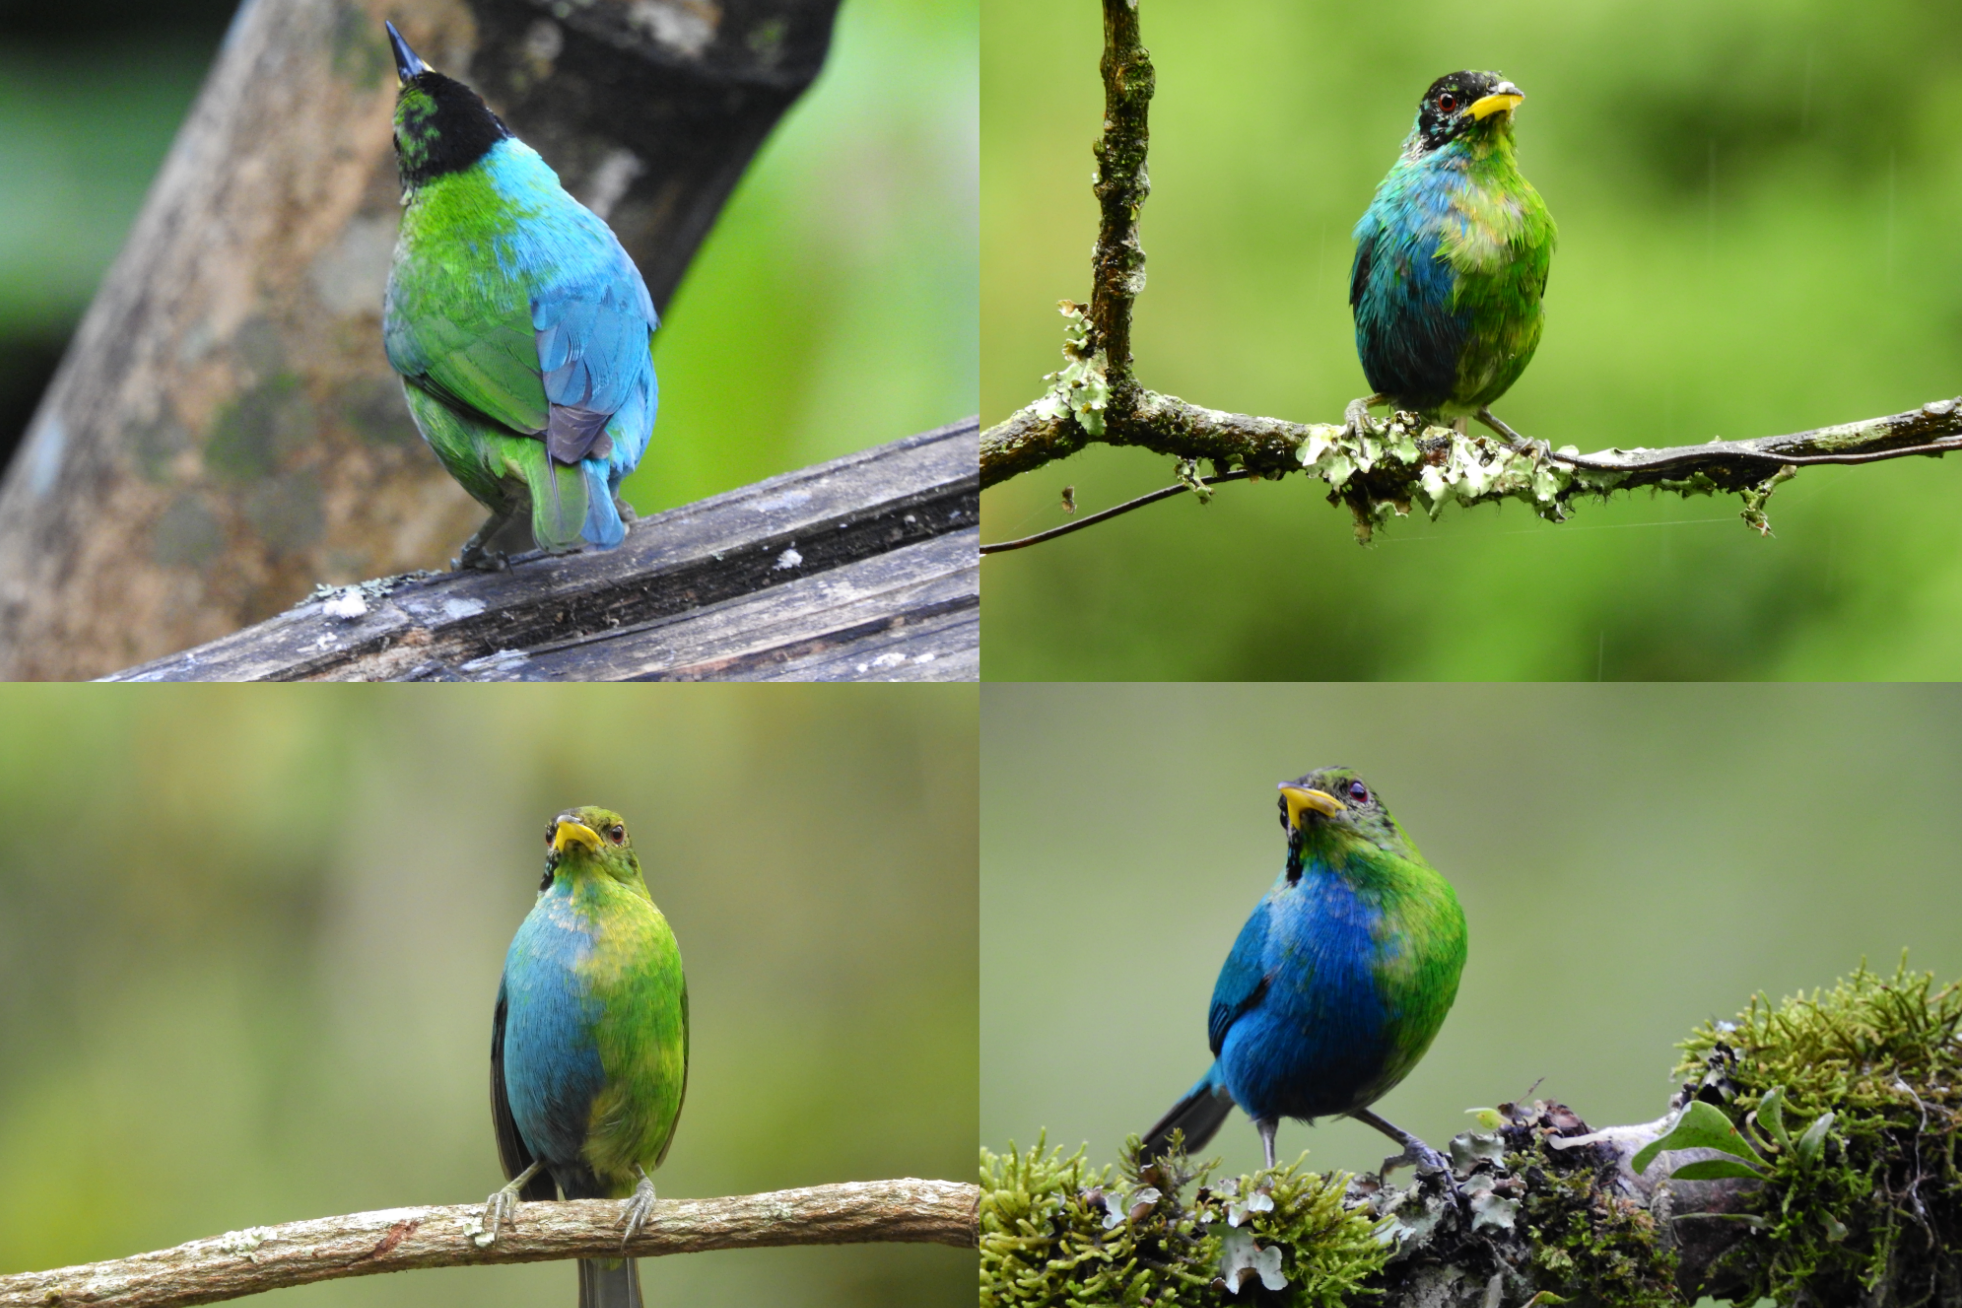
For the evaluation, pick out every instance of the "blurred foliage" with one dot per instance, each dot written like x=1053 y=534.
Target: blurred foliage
x=252 y=939
x=1754 y=202
x=852 y=233
x=1631 y=860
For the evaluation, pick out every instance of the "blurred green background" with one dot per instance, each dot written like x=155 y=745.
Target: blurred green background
x=1631 y=860
x=252 y=939
x=854 y=228
x=1757 y=208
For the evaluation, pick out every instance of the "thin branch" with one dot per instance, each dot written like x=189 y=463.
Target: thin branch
x=400 y=1239
x=1097 y=400
x=1022 y=543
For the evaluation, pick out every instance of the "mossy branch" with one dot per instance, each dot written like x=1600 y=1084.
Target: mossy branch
x=1398 y=462
x=1809 y=1157
x=400 y=1239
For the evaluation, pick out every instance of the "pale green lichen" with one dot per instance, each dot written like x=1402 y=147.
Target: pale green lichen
x=1081 y=387
x=1401 y=461
x=1055 y=1232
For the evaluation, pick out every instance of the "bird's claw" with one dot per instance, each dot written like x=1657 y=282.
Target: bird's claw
x=639 y=1208
x=501 y=1205
x=1355 y=418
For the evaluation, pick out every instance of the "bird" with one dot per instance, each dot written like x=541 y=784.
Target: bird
x=589 y=1042
x=1451 y=262
x=522 y=331
x=1336 y=985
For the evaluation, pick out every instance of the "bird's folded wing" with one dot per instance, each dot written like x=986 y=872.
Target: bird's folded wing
x=1242 y=980
x=511 y=1150
x=486 y=363
x=592 y=325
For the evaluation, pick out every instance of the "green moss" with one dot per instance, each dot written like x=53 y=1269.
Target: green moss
x=1587 y=1238
x=1056 y=1232
x=1867 y=1208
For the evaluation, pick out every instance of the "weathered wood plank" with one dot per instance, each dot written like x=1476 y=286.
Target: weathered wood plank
x=873 y=550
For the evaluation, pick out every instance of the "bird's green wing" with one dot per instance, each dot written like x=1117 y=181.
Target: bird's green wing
x=682 y=1102
x=511 y=1150
x=476 y=354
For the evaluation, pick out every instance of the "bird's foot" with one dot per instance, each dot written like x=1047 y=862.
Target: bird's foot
x=1419 y=1155
x=1538 y=450
x=1355 y=418
x=639 y=1207
x=502 y=1205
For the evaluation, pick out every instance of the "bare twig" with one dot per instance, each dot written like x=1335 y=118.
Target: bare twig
x=1099 y=401
x=400 y=1239
x=1079 y=524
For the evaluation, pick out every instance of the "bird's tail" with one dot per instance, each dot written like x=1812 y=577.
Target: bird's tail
x=603 y=528
x=558 y=499
x=1198 y=1115
x=609 y=1283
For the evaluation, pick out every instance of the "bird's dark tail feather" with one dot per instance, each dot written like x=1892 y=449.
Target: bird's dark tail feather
x=609 y=1283
x=1199 y=1115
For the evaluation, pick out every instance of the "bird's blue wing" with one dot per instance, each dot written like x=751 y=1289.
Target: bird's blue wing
x=1242 y=979
x=593 y=322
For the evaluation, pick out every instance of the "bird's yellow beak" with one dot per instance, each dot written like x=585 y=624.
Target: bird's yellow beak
x=575 y=833
x=1319 y=800
x=1502 y=101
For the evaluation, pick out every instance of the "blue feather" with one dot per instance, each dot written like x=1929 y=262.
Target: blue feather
x=552 y=1068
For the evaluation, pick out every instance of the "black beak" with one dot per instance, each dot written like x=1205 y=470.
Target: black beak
x=406 y=63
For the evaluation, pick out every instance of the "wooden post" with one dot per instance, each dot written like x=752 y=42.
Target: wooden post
x=224 y=430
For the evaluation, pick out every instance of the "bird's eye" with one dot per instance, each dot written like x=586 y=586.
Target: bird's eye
x=1359 y=792
x=1448 y=102
x=551 y=831
x=616 y=833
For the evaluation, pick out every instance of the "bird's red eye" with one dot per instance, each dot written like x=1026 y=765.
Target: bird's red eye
x=1448 y=102
x=1359 y=792
x=616 y=833
x=551 y=831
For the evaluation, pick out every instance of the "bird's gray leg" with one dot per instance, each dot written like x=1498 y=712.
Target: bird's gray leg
x=1356 y=416
x=1415 y=1151
x=638 y=1207
x=504 y=1203
x=1265 y=1126
x=476 y=552
x=1520 y=444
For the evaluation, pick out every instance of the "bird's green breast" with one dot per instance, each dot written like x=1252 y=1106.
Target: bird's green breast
x=633 y=973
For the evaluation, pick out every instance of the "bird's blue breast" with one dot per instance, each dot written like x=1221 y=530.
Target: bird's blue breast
x=1317 y=1040
x=1409 y=333
x=551 y=1063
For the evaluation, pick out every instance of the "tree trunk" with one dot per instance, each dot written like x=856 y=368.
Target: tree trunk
x=224 y=431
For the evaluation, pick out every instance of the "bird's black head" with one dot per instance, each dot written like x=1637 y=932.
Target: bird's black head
x=441 y=125
x=1461 y=105
x=1330 y=806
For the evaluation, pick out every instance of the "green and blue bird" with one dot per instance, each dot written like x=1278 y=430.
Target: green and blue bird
x=1451 y=262
x=1339 y=981
x=589 y=1043
x=522 y=330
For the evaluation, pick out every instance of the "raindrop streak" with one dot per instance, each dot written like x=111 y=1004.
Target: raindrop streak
x=1321 y=261
x=1710 y=234
x=1892 y=176
x=1805 y=96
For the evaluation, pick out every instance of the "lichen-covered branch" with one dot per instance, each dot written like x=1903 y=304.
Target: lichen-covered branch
x=1809 y=1157
x=1095 y=397
x=399 y=1239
